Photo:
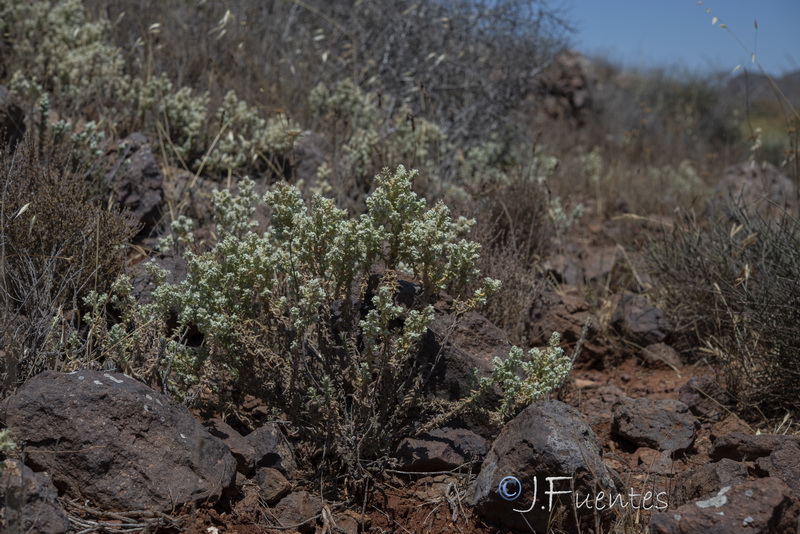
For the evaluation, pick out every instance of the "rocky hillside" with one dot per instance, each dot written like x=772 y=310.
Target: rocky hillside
x=409 y=269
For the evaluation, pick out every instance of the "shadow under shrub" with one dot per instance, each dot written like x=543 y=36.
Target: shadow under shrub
x=56 y=244
x=733 y=284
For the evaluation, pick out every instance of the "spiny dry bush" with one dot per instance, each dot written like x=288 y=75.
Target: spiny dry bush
x=463 y=64
x=56 y=244
x=734 y=286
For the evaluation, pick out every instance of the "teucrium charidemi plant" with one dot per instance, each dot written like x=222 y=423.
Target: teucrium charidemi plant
x=308 y=311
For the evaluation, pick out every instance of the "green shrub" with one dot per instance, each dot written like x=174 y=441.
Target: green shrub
x=6 y=443
x=59 y=51
x=308 y=313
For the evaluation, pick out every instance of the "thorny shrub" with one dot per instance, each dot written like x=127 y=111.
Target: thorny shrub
x=465 y=65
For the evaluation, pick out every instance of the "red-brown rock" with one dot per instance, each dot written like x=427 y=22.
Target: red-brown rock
x=664 y=425
x=763 y=506
x=108 y=439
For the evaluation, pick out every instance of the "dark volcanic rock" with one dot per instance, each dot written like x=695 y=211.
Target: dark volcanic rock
x=129 y=447
x=272 y=449
x=464 y=345
x=175 y=267
x=783 y=463
x=298 y=510
x=566 y=312
x=664 y=425
x=704 y=397
x=740 y=446
x=240 y=448
x=28 y=501
x=708 y=479
x=441 y=450
x=137 y=182
x=661 y=356
x=12 y=120
x=655 y=462
x=567 y=86
x=548 y=439
x=640 y=322
x=272 y=485
x=762 y=506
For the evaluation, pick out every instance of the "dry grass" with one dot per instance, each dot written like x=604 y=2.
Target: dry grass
x=732 y=285
x=56 y=245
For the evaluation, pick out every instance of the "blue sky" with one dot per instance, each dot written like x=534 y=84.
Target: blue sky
x=664 y=33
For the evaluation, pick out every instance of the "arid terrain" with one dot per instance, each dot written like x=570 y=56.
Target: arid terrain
x=340 y=267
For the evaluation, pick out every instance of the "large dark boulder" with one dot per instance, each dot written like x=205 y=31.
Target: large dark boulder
x=548 y=439
x=106 y=438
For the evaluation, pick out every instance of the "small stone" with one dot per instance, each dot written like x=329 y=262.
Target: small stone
x=704 y=397
x=37 y=508
x=655 y=462
x=728 y=425
x=745 y=447
x=639 y=321
x=661 y=356
x=272 y=485
x=242 y=451
x=707 y=479
x=298 y=510
x=441 y=450
x=783 y=463
x=664 y=425
x=272 y=449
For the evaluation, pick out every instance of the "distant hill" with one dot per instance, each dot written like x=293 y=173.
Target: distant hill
x=756 y=87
